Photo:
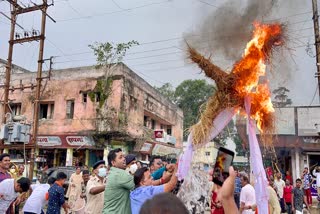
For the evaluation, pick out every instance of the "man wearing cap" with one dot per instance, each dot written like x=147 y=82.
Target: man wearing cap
x=95 y=189
x=131 y=163
x=120 y=182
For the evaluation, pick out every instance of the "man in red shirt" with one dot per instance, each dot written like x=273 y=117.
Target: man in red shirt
x=289 y=177
x=287 y=195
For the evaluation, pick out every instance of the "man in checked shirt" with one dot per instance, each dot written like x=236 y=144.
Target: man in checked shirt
x=237 y=188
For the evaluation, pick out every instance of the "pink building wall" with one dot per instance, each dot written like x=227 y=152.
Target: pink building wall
x=129 y=101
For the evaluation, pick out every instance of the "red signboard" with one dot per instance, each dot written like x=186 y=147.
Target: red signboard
x=158 y=134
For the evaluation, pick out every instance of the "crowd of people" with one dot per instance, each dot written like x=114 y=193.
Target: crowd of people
x=283 y=196
x=124 y=186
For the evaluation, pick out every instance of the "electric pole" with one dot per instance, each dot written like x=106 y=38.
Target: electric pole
x=38 y=88
x=17 y=9
x=9 y=64
x=315 y=18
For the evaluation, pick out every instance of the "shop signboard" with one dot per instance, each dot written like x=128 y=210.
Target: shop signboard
x=308 y=118
x=79 y=141
x=284 y=122
x=49 y=141
x=164 y=150
x=159 y=133
x=146 y=147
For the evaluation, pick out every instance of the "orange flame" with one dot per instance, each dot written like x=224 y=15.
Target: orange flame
x=243 y=81
x=252 y=66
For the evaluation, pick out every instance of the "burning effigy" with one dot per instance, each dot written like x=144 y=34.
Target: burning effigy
x=239 y=91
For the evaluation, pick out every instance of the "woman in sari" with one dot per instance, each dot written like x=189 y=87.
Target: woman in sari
x=75 y=187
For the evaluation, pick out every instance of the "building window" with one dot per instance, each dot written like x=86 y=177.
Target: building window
x=153 y=124
x=207 y=153
x=84 y=97
x=161 y=126
x=70 y=109
x=46 y=110
x=169 y=130
x=145 y=121
x=98 y=97
x=15 y=108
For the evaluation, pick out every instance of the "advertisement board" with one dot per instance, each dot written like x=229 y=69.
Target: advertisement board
x=308 y=117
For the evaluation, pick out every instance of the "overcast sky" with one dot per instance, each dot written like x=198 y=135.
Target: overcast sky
x=159 y=26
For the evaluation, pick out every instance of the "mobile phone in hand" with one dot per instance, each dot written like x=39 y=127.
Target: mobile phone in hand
x=221 y=168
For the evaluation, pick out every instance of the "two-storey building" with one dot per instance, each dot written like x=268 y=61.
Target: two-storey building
x=84 y=112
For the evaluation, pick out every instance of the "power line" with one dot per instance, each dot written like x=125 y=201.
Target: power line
x=207 y=3
x=160 y=41
x=297 y=14
x=131 y=53
x=151 y=56
x=59 y=49
x=314 y=95
x=118 y=6
x=114 y=12
x=72 y=8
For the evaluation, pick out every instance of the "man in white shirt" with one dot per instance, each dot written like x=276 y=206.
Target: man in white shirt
x=247 y=196
x=38 y=198
x=9 y=191
x=316 y=174
x=280 y=184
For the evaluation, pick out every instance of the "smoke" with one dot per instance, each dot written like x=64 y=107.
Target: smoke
x=228 y=29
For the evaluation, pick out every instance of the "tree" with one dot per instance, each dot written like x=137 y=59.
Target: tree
x=109 y=54
x=167 y=90
x=281 y=98
x=190 y=95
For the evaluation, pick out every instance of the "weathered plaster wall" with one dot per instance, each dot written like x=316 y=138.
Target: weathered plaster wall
x=129 y=100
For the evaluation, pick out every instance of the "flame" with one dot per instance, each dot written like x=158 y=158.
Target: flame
x=220 y=160
x=241 y=82
x=252 y=66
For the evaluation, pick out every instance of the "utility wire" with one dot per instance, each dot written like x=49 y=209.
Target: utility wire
x=150 y=56
x=161 y=41
x=113 y=12
x=207 y=3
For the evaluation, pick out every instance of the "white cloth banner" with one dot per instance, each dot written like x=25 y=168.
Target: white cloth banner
x=261 y=182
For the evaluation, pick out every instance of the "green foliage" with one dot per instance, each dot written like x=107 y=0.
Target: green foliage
x=227 y=132
x=168 y=91
x=190 y=95
x=281 y=98
x=102 y=89
x=109 y=53
x=239 y=145
x=123 y=119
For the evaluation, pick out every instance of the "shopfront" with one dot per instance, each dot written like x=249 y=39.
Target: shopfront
x=165 y=150
x=67 y=150
x=145 y=151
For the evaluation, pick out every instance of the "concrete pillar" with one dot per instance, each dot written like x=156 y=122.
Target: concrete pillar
x=55 y=152
x=293 y=166
x=87 y=157
x=6 y=150
x=36 y=154
x=105 y=155
x=297 y=157
x=69 y=157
